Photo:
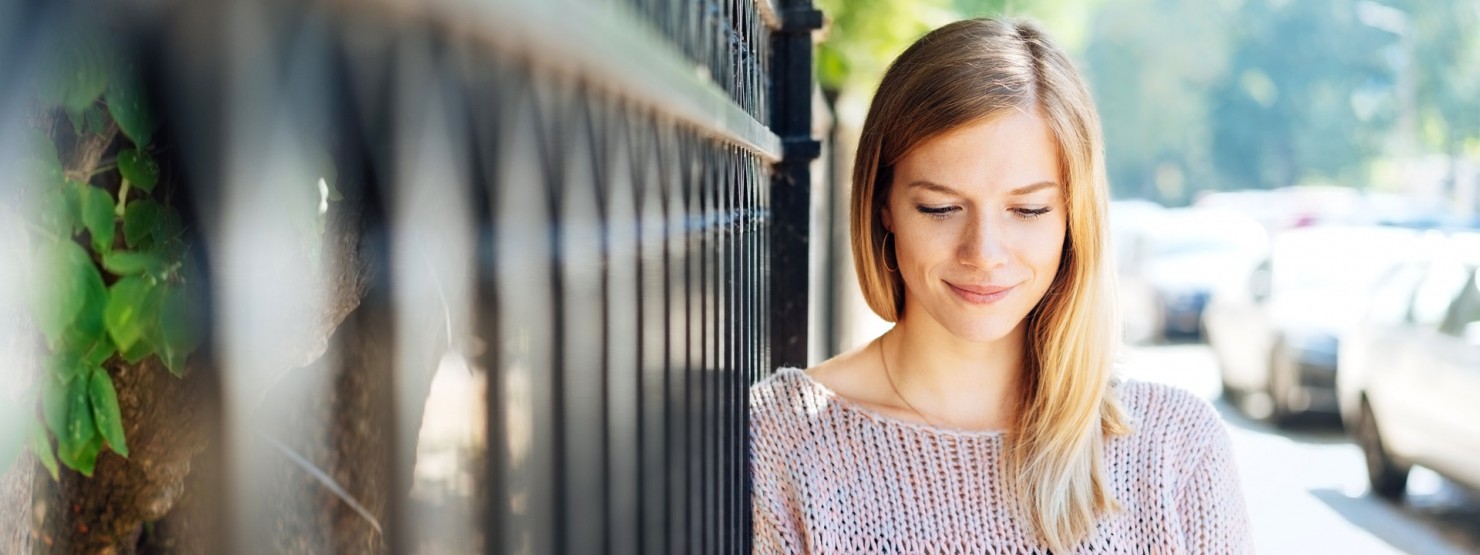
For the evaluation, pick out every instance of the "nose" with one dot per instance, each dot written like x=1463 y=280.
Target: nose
x=984 y=242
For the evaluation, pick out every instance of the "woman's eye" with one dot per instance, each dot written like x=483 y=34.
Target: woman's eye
x=1031 y=213
x=937 y=212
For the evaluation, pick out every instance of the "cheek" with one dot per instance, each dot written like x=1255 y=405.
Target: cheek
x=924 y=248
x=1048 y=248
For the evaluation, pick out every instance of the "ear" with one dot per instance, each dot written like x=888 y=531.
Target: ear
x=886 y=217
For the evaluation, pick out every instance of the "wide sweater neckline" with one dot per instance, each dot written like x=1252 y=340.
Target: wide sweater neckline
x=829 y=475
x=849 y=406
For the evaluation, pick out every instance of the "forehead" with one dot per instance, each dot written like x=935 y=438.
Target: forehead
x=986 y=157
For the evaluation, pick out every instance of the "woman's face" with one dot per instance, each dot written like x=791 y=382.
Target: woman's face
x=979 y=219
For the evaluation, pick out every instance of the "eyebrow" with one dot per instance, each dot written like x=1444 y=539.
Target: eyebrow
x=932 y=186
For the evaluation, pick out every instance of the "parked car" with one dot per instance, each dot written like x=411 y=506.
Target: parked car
x=1180 y=257
x=1409 y=379
x=1132 y=224
x=1277 y=331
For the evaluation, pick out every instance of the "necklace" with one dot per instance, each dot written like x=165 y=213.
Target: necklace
x=889 y=377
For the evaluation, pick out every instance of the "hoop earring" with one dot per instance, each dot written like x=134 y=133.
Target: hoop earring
x=884 y=251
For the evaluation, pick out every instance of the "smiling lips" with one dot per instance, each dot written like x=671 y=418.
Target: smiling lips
x=980 y=294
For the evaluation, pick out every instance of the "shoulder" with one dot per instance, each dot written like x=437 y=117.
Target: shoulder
x=1170 y=417
x=786 y=393
x=782 y=406
x=794 y=391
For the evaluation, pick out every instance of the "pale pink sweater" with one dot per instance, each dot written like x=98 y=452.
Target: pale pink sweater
x=832 y=476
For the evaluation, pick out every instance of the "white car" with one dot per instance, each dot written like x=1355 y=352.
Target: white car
x=1409 y=379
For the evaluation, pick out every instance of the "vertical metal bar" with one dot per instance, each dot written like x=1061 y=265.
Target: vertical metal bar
x=599 y=137
x=624 y=327
x=582 y=311
x=491 y=486
x=732 y=366
x=693 y=294
x=552 y=181
x=706 y=350
x=791 y=97
x=651 y=177
x=752 y=347
x=726 y=365
x=527 y=276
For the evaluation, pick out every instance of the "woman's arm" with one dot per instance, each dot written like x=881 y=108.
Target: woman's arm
x=776 y=522
x=1211 y=501
x=775 y=509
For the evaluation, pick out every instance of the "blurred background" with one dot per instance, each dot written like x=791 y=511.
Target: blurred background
x=1296 y=188
x=457 y=276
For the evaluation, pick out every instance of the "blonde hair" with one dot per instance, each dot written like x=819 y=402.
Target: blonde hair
x=969 y=71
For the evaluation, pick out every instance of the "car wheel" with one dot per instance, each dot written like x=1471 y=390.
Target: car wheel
x=1389 y=478
x=1279 y=385
x=1231 y=393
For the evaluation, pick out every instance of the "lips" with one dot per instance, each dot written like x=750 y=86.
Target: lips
x=980 y=294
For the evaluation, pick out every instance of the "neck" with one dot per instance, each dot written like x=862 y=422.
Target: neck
x=955 y=383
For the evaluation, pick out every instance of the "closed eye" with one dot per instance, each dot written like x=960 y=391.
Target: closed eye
x=937 y=212
x=1031 y=213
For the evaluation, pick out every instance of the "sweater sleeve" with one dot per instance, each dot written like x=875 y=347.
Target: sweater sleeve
x=1211 y=501
x=775 y=510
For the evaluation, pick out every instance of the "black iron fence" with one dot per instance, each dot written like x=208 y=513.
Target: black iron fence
x=474 y=275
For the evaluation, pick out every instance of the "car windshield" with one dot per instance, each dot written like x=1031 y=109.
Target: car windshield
x=1335 y=262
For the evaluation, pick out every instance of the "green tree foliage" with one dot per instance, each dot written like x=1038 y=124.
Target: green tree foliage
x=1444 y=39
x=863 y=36
x=1290 y=106
x=1151 y=64
x=1226 y=94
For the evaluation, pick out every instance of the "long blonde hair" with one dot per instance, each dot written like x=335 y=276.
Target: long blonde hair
x=969 y=71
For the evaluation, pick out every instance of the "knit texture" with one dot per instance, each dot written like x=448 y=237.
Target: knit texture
x=833 y=476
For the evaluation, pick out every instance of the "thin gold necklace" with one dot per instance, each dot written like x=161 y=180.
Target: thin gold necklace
x=883 y=360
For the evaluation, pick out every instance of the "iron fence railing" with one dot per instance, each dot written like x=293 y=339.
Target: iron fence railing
x=478 y=275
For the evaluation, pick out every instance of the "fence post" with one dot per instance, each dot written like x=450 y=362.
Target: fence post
x=791 y=183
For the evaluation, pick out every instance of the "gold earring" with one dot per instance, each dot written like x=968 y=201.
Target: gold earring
x=885 y=252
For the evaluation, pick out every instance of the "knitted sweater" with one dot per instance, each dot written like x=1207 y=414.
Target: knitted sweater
x=832 y=476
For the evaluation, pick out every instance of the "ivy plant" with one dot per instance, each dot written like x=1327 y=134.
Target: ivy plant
x=111 y=258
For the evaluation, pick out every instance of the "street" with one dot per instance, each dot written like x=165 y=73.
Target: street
x=1307 y=489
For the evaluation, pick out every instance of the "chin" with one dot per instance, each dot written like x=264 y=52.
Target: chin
x=979 y=329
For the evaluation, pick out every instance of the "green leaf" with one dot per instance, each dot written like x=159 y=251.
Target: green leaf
x=80 y=430
x=41 y=447
x=106 y=412
x=99 y=353
x=69 y=275
x=138 y=168
x=89 y=121
x=57 y=212
x=78 y=120
x=140 y=218
x=178 y=330
x=43 y=152
x=140 y=349
x=78 y=70
x=133 y=263
x=67 y=362
x=80 y=426
x=97 y=216
x=125 y=315
x=97 y=119
x=54 y=405
x=85 y=344
x=129 y=105
x=85 y=458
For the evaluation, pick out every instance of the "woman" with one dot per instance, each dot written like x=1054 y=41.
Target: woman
x=987 y=419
